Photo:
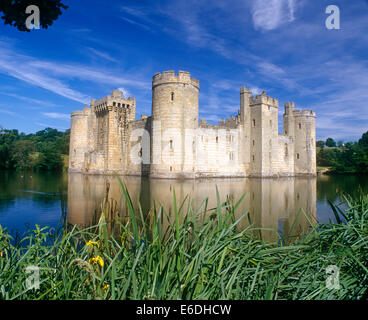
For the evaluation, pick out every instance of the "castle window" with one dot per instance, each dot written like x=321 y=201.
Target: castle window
x=286 y=150
x=140 y=153
x=253 y=158
x=216 y=139
x=253 y=142
x=300 y=125
x=119 y=104
x=297 y=156
x=114 y=104
x=171 y=145
x=170 y=168
x=254 y=122
x=172 y=96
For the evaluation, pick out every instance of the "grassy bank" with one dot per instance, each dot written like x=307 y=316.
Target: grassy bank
x=202 y=256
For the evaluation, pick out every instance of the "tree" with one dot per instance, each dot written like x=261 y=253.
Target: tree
x=7 y=140
x=14 y=12
x=42 y=150
x=327 y=157
x=20 y=154
x=320 y=144
x=330 y=142
x=49 y=159
x=363 y=141
x=340 y=143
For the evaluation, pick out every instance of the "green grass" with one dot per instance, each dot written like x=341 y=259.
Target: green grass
x=195 y=254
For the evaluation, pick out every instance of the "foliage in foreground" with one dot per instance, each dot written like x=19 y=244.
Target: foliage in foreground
x=200 y=255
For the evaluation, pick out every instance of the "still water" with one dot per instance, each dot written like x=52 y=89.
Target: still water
x=27 y=199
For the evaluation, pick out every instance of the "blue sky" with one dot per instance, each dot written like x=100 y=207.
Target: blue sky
x=281 y=46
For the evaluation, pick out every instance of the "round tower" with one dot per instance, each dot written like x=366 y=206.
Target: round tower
x=305 y=142
x=78 y=140
x=174 y=122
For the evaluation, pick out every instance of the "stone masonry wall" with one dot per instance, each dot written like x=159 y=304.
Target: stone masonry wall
x=172 y=143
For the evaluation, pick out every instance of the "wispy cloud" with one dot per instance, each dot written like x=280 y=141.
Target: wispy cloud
x=136 y=23
x=270 y=14
x=47 y=125
x=7 y=112
x=255 y=90
x=87 y=73
x=271 y=69
x=20 y=67
x=136 y=12
x=55 y=76
x=28 y=99
x=126 y=93
x=101 y=54
x=55 y=115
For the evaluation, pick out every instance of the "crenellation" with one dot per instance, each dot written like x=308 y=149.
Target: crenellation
x=170 y=77
x=263 y=99
x=304 y=113
x=173 y=143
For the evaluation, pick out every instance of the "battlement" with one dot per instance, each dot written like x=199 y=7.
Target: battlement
x=244 y=90
x=263 y=99
x=204 y=125
x=171 y=77
x=231 y=122
x=290 y=105
x=115 y=99
x=78 y=113
x=304 y=113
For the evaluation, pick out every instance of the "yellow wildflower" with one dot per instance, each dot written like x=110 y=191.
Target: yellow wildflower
x=105 y=287
x=92 y=244
x=123 y=237
x=97 y=260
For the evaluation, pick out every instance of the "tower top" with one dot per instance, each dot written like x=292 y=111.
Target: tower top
x=117 y=94
x=304 y=113
x=170 y=77
x=244 y=90
x=264 y=99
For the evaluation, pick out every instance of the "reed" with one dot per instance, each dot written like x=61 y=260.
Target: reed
x=196 y=254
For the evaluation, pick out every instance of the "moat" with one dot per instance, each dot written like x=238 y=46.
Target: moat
x=27 y=199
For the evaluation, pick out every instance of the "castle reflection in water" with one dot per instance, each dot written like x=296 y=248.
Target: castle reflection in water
x=273 y=204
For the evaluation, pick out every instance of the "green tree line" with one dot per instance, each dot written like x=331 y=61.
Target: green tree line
x=44 y=150
x=351 y=157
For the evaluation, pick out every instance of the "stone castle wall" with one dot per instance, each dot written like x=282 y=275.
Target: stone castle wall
x=173 y=143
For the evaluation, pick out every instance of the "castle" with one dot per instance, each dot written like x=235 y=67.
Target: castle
x=106 y=138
